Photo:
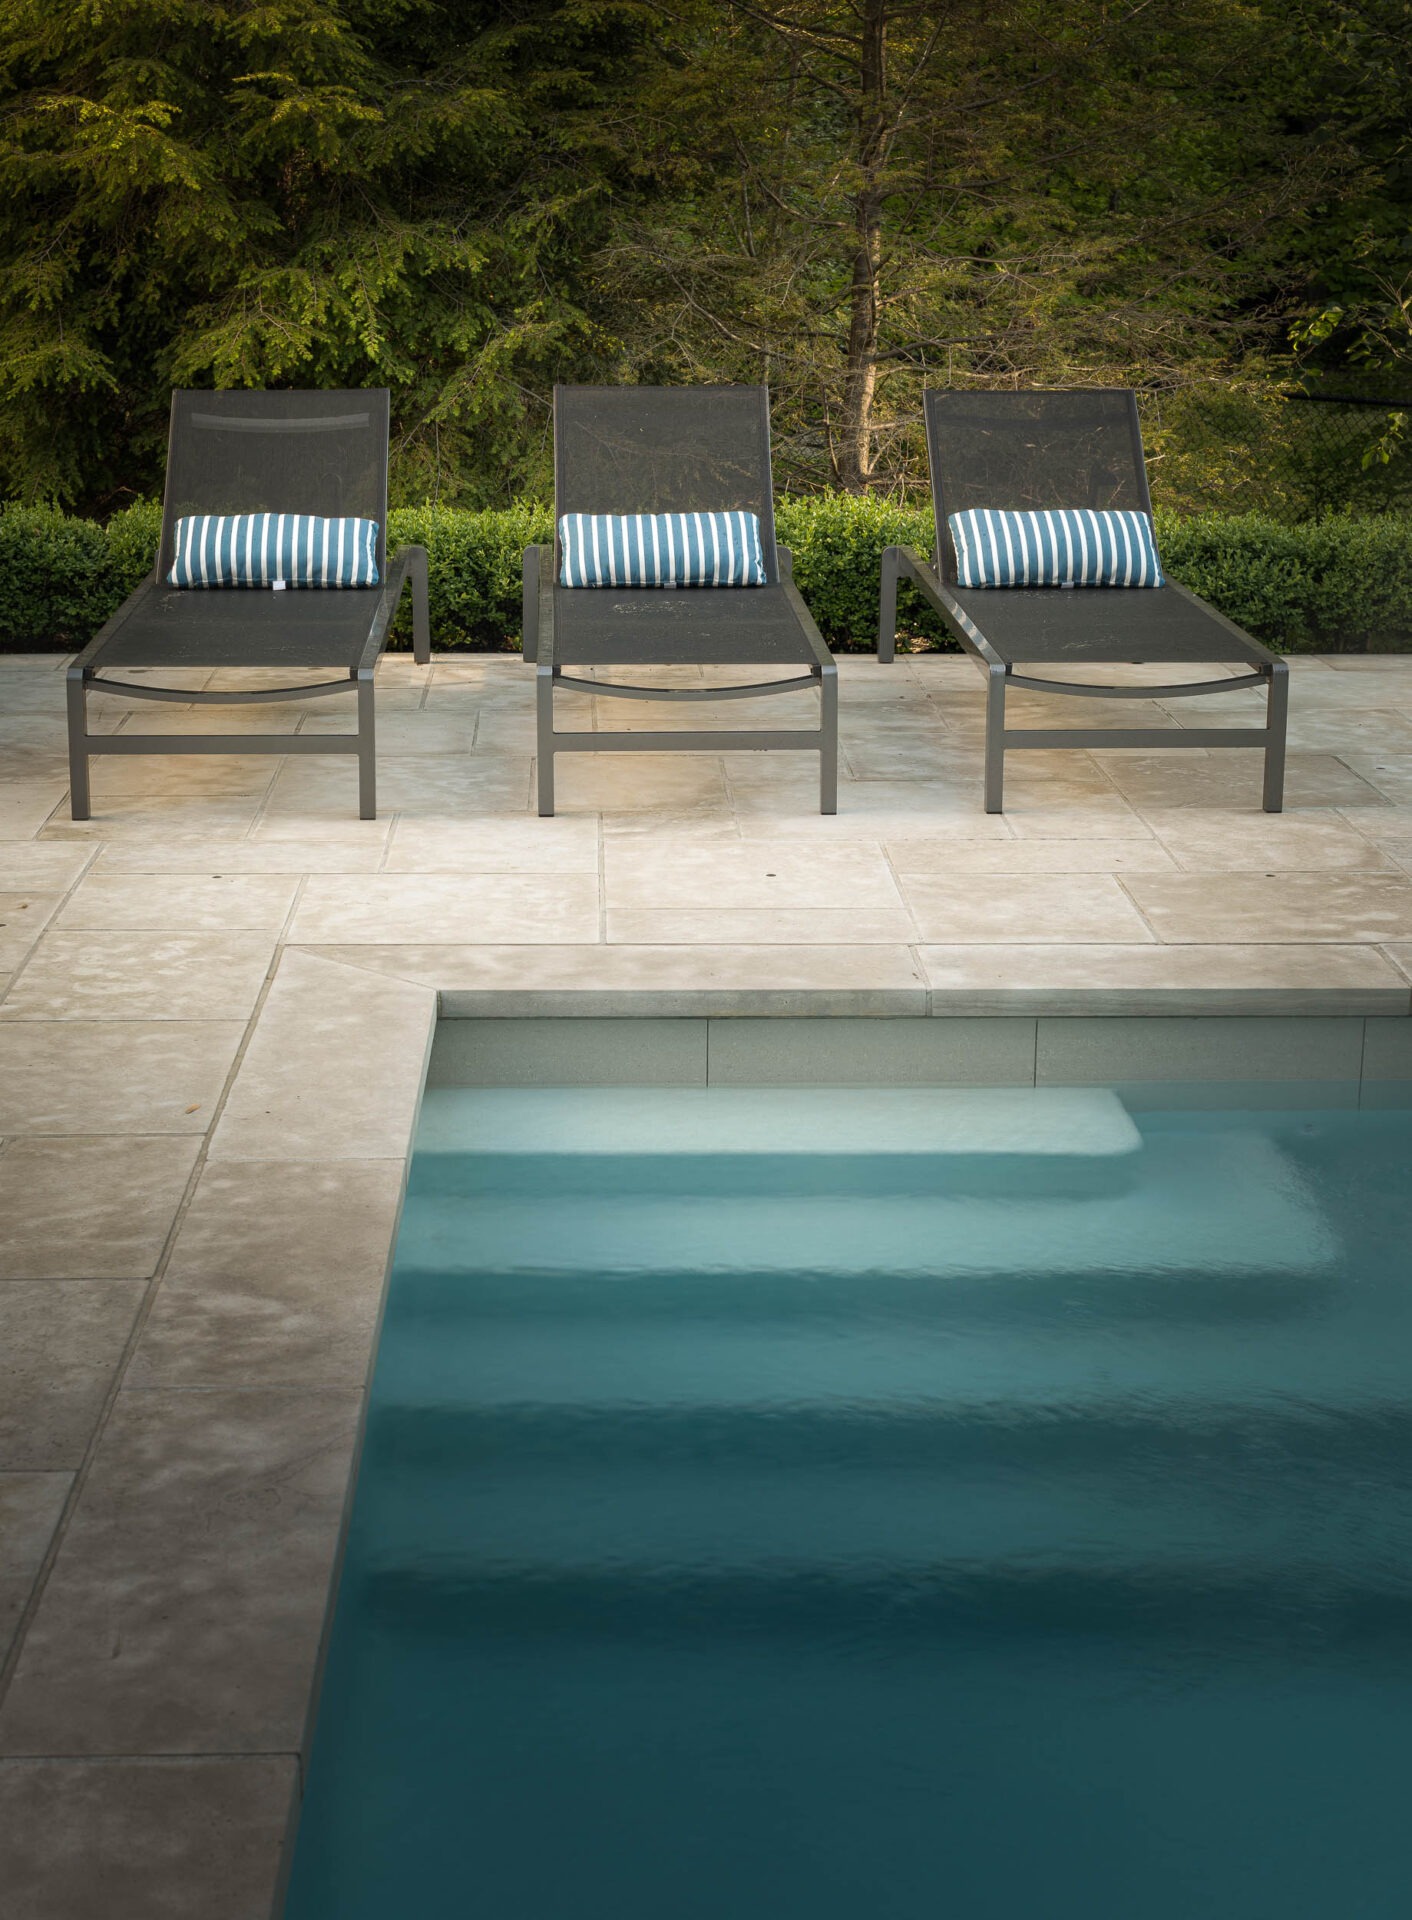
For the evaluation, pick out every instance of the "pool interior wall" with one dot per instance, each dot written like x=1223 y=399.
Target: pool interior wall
x=696 y=1053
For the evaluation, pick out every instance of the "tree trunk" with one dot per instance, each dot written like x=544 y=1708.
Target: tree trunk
x=854 y=446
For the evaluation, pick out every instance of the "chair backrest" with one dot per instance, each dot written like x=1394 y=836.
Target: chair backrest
x=1076 y=448
x=664 y=450
x=322 y=452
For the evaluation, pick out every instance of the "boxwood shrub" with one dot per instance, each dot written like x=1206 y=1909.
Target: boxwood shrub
x=1340 y=584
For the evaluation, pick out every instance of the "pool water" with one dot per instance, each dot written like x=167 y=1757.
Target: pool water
x=858 y=1506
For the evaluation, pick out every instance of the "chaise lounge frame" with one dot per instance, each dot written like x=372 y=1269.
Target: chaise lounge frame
x=321 y=452
x=1106 y=419
x=671 y=450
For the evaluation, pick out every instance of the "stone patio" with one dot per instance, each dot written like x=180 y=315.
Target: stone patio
x=215 y=1014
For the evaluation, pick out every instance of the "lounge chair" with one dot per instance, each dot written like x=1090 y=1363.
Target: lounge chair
x=670 y=450
x=319 y=454
x=1054 y=451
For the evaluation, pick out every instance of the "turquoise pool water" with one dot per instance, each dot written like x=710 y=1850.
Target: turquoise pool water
x=995 y=1507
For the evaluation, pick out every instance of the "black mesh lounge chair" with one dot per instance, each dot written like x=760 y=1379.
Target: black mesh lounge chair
x=1056 y=450
x=626 y=450
x=316 y=453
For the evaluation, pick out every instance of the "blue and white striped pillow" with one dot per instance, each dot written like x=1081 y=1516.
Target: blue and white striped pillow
x=661 y=550
x=265 y=549
x=1073 y=546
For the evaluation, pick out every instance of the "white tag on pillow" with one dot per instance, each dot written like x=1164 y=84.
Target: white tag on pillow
x=277 y=586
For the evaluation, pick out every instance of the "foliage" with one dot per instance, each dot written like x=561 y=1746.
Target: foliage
x=474 y=569
x=1341 y=584
x=1338 y=585
x=57 y=585
x=837 y=540
x=849 y=196
x=293 y=192
x=841 y=197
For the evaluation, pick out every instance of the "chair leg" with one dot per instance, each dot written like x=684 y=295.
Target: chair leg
x=544 y=737
x=995 y=740
x=1276 y=722
x=887 y=606
x=421 y=607
x=80 y=806
x=828 y=746
x=367 y=749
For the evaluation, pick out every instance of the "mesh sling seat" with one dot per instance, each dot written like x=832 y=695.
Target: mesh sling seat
x=639 y=450
x=1029 y=451
x=322 y=453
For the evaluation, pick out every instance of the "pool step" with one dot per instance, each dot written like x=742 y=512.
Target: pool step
x=748 y=1139
x=1213 y=1203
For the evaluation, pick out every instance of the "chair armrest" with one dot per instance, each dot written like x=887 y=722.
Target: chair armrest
x=407 y=564
x=819 y=647
x=412 y=562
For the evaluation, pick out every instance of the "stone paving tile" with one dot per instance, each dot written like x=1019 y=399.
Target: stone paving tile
x=128 y=780
x=37 y=864
x=137 y=976
x=1120 y=979
x=1342 y=730
x=113 y=1076
x=93 y=1207
x=30 y=1505
x=517 y=907
x=1028 y=856
x=1388 y=773
x=208 y=854
x=1101 y=816
x=130 y=1839
x=60 y=1344
x=332 y=1072
x=415 y=731
x=1231 y=777
x=498 y=843
x=1038 y=907
x=23 y=917
x=179 y=903
x=1231 y=839
x=156 y=818
x=25 y=805
x=240 y=1490
x=760 y=875
x=276 y=716
x=632 y=782
x=275 y=1279
x=455 y=786
x=1259 y=907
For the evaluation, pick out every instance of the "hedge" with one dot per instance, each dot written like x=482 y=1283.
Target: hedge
x=1337 y=585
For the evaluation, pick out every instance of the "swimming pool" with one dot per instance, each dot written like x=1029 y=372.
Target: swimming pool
x=901 y=1504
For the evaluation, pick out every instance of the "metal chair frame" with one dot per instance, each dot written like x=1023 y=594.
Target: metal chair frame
x=935 y=586
x=539 y=582
x=408 y=566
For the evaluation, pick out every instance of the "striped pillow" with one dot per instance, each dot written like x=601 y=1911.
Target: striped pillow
x=1070 y=547
x=661 y=550
x=274 y=549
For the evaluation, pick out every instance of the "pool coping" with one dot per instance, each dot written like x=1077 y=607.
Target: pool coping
x=329 y=1082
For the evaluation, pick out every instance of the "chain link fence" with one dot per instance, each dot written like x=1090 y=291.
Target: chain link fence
x=1293 y=455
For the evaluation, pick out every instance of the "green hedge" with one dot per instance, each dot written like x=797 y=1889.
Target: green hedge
x=1341 y=584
